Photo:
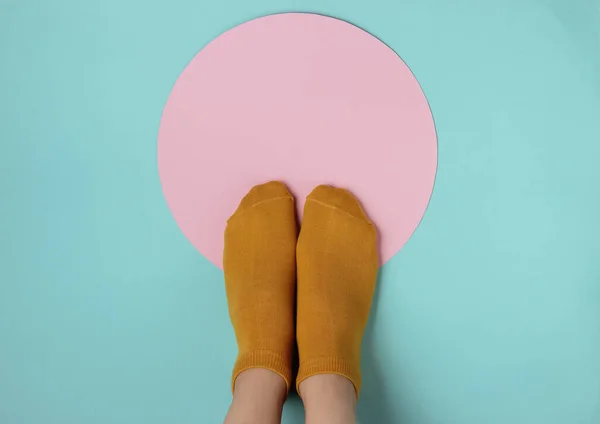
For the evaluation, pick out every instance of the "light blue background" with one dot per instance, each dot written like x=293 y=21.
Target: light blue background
x=490 y=314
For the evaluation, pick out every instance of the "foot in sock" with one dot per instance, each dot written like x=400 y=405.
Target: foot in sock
x=260 y=271
x=337 y=265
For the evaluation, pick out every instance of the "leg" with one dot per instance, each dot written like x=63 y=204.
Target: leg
x=328 y=399
x=259 y=263
x=337 y=268
x=258 y=398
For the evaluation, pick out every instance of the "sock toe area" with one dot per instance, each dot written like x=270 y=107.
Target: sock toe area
x=263 y=193
x=338 y=198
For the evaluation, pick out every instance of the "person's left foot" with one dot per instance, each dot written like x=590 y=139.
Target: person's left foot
x=259 y=262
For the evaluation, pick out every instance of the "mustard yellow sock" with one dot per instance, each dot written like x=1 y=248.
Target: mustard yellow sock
x=259 y=263
x=337 y=265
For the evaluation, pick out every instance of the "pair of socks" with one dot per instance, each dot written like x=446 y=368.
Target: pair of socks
x=314 y=288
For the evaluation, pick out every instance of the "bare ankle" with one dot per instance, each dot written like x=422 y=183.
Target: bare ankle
x=328 y=399
x=258 y=398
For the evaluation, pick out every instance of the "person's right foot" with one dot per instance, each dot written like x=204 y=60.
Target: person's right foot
x=337 y=265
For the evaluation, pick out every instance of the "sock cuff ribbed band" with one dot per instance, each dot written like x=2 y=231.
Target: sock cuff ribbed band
x=266 y=359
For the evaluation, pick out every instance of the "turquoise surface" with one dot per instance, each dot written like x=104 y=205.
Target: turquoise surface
x=490 y=314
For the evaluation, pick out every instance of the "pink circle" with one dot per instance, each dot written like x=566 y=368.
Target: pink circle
x=304 y=99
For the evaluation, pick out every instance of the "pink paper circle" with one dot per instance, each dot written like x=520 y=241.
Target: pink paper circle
x=305 y=99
